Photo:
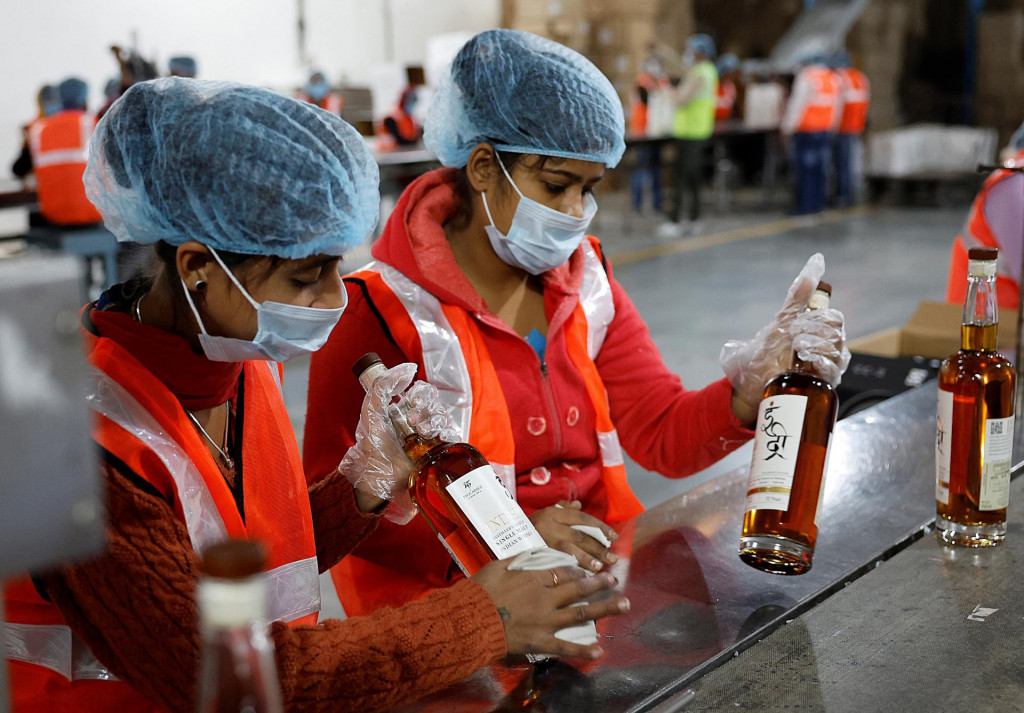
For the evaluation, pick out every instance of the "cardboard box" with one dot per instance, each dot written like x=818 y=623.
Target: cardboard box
x=933 y=331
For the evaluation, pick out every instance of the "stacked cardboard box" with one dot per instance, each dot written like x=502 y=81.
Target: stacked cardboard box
x=1000 y=76
x=877 y=43
x=614 y=34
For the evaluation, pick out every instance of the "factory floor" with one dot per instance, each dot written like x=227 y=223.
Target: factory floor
x=697 y=292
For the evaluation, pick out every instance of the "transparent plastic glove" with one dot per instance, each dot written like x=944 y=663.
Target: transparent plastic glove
x=376 y=463
x=427 y=415
x=820 y=335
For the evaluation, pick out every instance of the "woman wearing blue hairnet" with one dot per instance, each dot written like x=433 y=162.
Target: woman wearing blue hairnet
x=486 y=280
x=250 y=199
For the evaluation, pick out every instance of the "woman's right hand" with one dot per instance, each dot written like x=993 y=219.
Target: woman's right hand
x=534 y=604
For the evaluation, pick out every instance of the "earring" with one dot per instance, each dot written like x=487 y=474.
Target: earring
x=200 y=285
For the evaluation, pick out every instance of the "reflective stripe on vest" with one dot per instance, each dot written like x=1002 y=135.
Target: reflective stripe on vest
x=444 y=347
x=30 y=632
x=55 y=647
x=443 y=360
x=43 y=157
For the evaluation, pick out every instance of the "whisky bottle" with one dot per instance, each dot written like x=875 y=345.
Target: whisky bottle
x=457 y=492
x=787 y=475
x=237 y=669
x=974 y=424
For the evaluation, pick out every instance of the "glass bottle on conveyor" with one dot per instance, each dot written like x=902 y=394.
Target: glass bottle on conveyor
x=237 y=669
x=974 y=424
x=792 y=435
x=457 y=492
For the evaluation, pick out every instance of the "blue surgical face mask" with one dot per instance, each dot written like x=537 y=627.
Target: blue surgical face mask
x=284 y=331
x=318 y=90
x=540 y=238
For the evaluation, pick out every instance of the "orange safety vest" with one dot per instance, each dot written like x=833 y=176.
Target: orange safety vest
x=856 y=93
x=141 y=423
x=60 y=150
x=726 y=100
x=820 y=111
x=455 y=360
x=977 y=233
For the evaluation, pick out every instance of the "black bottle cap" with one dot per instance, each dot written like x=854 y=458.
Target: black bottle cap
x=234 y=559
x=982 y=254
x=365 y=362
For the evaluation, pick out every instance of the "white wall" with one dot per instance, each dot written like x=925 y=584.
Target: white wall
x=251 y=41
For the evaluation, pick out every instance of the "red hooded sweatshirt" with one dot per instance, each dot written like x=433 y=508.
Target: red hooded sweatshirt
x=661 y=425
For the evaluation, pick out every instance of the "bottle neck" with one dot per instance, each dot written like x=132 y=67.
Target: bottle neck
x=232 y=603
x=981 y=315
x=819 y=300
x=414 y=445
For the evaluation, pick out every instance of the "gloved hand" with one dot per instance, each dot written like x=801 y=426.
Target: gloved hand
x=376 y=464
x=818 y=337
x=427 y=415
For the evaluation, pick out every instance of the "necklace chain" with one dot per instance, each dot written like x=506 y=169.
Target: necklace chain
x=225 y=459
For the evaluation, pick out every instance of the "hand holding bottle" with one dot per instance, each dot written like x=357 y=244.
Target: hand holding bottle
x=562 y=527
x=819 y=336
x=534 y=604
x=376 y=464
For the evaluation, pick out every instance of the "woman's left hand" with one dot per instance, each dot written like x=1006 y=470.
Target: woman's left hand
x=555 y=525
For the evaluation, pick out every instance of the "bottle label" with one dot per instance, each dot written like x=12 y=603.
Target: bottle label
x=824 y=475
x=943 y=445
x=494 y=513
x=995 y=464
x=780 y=423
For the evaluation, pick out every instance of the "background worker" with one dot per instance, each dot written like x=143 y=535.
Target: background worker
x=996 y=220
x=647 y=157
x=727 y=104
x=692 y=126
x=848 y=150
x=318 y=92
x=195 y=444
x=812 y=114
x=48 y=104
x=182 y=66
x=485 y=279
x=59 y=146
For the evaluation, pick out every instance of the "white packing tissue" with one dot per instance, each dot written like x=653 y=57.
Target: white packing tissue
x=584 y=634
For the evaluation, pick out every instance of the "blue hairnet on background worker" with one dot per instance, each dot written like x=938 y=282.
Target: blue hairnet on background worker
x=183 y=66
x=486 y=279
x=249 y=198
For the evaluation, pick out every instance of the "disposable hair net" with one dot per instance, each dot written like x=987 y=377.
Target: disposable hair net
x=235 y=167
x=728 y=63
x=702 y=43
x=183 y=66
x=1017 y=140
x=73 y=93
x=525 y=94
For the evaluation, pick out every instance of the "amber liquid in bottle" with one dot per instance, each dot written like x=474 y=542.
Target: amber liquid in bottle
x=237 y=669
x=793 y=430
x=457 y=492
x=974 y=428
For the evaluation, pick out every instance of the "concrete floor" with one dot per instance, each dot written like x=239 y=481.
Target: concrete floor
x=698 y=292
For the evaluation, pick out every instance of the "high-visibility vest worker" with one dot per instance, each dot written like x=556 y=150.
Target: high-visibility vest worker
x=726 y=100
x=855 y=98
x=60 y=148
x=979 y=232
x=454 y=355
x=814 y=103
x=140 y=424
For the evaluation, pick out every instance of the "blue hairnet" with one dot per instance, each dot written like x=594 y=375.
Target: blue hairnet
x=702 y=43
x=235 y=167
x=840 y=59
x=525 y=94
x=1017 y=140
x=183 y=66
x=73 y=93
x=728 y=63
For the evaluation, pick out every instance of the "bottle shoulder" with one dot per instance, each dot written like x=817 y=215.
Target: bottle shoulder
x=794 y=381
x=967 y=364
